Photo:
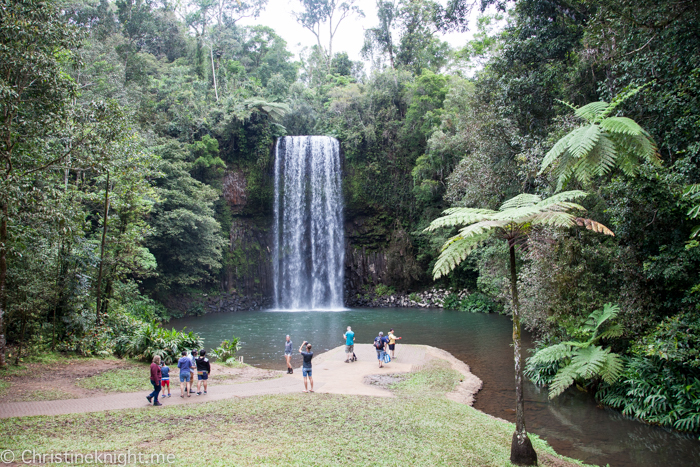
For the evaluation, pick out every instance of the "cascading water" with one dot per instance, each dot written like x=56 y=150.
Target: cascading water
x=309 y=251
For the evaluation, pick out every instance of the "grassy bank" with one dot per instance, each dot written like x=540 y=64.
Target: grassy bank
x=418 y=427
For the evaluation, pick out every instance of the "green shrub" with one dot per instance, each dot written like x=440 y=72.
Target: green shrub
x=474 y=303
x=414 y=297
x=451 y=302
x=382 y=290
x=477 y=303
x=676 y=339
x=151 y=339
x=226 y=351
x=656 y=391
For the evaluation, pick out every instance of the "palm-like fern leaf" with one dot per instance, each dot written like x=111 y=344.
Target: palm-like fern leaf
x=520 y=201
x=600 y=144
x=455 y=251
x=622 y=125
x=514 y=219
x=592 y=111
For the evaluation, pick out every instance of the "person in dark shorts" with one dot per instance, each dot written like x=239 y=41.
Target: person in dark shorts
x=165 y=380
x=349 y=345
x=380 y=346
x=306 y=366
x=288 y=354
x=203 y=370
x=392 y=342
x=156 y=376
x=185 y=367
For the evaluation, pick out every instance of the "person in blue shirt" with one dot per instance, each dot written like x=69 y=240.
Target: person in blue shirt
x=349 y=344
x=165 y=380
x=185 y=367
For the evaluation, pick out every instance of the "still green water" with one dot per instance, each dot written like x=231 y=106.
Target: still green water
x=572 y=423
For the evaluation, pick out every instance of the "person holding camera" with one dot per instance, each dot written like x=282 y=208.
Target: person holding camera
x=306 y=366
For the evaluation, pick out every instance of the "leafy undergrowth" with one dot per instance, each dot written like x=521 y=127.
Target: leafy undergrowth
x=418 y=427
x=131 y=379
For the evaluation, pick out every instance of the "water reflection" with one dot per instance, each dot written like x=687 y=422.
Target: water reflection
x=571 y=423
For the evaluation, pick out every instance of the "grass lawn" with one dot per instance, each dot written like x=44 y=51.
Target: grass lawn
x=418 y=427
x=131 y=379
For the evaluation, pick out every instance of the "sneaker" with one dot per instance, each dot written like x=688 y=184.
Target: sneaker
x=157 y=404
x=205 y=393
x=199 y=393
x=169 y=395
x=149 y=398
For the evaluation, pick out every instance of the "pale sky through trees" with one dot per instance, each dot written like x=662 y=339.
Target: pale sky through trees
x=350 y=37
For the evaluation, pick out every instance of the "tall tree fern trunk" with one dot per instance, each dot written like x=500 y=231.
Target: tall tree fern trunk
x=3 y=280
x=521 y=450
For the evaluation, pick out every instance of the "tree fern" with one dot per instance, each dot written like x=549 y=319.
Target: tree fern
x=600 y=144
x=515 y=218
x=582 y=360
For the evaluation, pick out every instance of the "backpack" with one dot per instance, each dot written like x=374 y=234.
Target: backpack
x=379 y=343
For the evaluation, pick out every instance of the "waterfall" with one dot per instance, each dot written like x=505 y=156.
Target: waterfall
x=308 y=256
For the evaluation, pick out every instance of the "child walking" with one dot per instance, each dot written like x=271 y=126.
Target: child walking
x=165 y=379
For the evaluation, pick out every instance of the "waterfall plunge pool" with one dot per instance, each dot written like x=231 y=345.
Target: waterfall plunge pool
x=572 y=423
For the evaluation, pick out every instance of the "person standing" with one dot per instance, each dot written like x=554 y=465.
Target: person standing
x=185 y=367
x=165 y=380
x=349 y=344
x=155 y=381
x=392 y=342
x=193 y=368
x=288 y=354
x=380 y=346
x=203 y=370
x=306 y=366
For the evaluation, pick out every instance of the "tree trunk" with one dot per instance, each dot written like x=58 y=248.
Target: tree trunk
x=3 y=279
x=213 y=72
x=98 y=305
x=521 y=450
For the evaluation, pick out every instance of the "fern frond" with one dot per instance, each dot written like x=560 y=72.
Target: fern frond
x=615 y=330
x=520 y=201
x=554 y=219
x=454 y=252
x=584 y=140
x=559 y=148
x=612 y=368
x=460 y=216
x=621 y=125
x=563 y=197
x=594 y=226
x=589 y=361
x=551 y=354
x=592 y=111
x=564 y=378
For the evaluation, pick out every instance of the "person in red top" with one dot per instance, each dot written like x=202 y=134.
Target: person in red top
x=155 y=381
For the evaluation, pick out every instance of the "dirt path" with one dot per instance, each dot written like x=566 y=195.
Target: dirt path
x=330 y=373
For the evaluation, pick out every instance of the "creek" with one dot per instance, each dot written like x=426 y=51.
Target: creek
x=572 y=423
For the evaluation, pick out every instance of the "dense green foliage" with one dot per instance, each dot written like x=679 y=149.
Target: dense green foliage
x=136 y=141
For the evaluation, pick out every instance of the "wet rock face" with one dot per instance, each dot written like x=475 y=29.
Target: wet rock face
x=249 y=269
x=234 y=190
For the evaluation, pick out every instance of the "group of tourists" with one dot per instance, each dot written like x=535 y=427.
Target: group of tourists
x=188 y=364
x=383 y=344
